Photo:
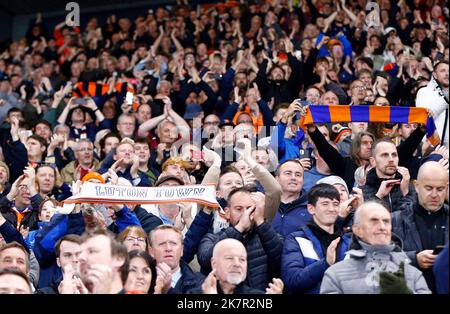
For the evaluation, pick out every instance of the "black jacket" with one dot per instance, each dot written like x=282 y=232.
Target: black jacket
x=345 y=167
x=281 y=91
x=395 y=198
x=241 y=288
x=52 y=288
x=263 y=245
x=404 y=225
x=29 y=220
x=189 y=280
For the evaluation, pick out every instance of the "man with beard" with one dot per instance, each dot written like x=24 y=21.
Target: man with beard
x=360 y=152
x=434 y=96
x=423 y=225
x=229 y=264
x=387 y=181
x=245 y=213
x=103 y=262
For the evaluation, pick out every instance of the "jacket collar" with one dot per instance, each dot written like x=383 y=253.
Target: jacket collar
x=373 y=179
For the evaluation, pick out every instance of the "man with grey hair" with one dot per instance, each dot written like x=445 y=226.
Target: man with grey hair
x=83 y=164
x=375 y=264
x=126 y=125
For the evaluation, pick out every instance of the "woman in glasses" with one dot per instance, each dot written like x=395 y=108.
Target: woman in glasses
x=134 y=238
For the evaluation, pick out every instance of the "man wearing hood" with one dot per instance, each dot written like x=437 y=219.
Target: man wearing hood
x=375 y=264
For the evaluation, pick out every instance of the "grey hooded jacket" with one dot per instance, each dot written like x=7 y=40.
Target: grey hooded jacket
x=359 y=272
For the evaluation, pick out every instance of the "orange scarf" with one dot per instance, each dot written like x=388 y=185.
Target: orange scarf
x=258 y=122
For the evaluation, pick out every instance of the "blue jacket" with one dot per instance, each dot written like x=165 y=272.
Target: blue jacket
x=124 y=218
x=292 y=216
x=311 y=177
x=303 y=262
x=45 y=240
x=440 y=269
x=147 y=220
x=199 y=228
x=263 y=246
x=286 y=148
x=29 y=240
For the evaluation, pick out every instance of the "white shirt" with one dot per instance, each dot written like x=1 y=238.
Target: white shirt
x=175 y=277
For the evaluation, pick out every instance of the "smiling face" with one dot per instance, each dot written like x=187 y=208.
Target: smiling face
x=143 y=152
x=125 y=151
x=43 y=130
x=290 y=177
x=15 y=258
x=325 y=211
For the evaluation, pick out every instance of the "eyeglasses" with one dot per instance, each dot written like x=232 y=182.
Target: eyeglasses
x=359 y=87
x=133 y=239
x=23 y=187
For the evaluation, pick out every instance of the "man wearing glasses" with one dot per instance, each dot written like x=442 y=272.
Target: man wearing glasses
x=357 y=93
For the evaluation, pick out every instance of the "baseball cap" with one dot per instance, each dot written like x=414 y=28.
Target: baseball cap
x=163 y=179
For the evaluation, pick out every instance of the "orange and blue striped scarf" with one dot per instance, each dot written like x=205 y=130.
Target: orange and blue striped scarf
x=338 y=113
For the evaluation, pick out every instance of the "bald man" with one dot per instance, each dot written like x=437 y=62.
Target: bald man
x=229 y=270
x=424 y=225
x=373 y=256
